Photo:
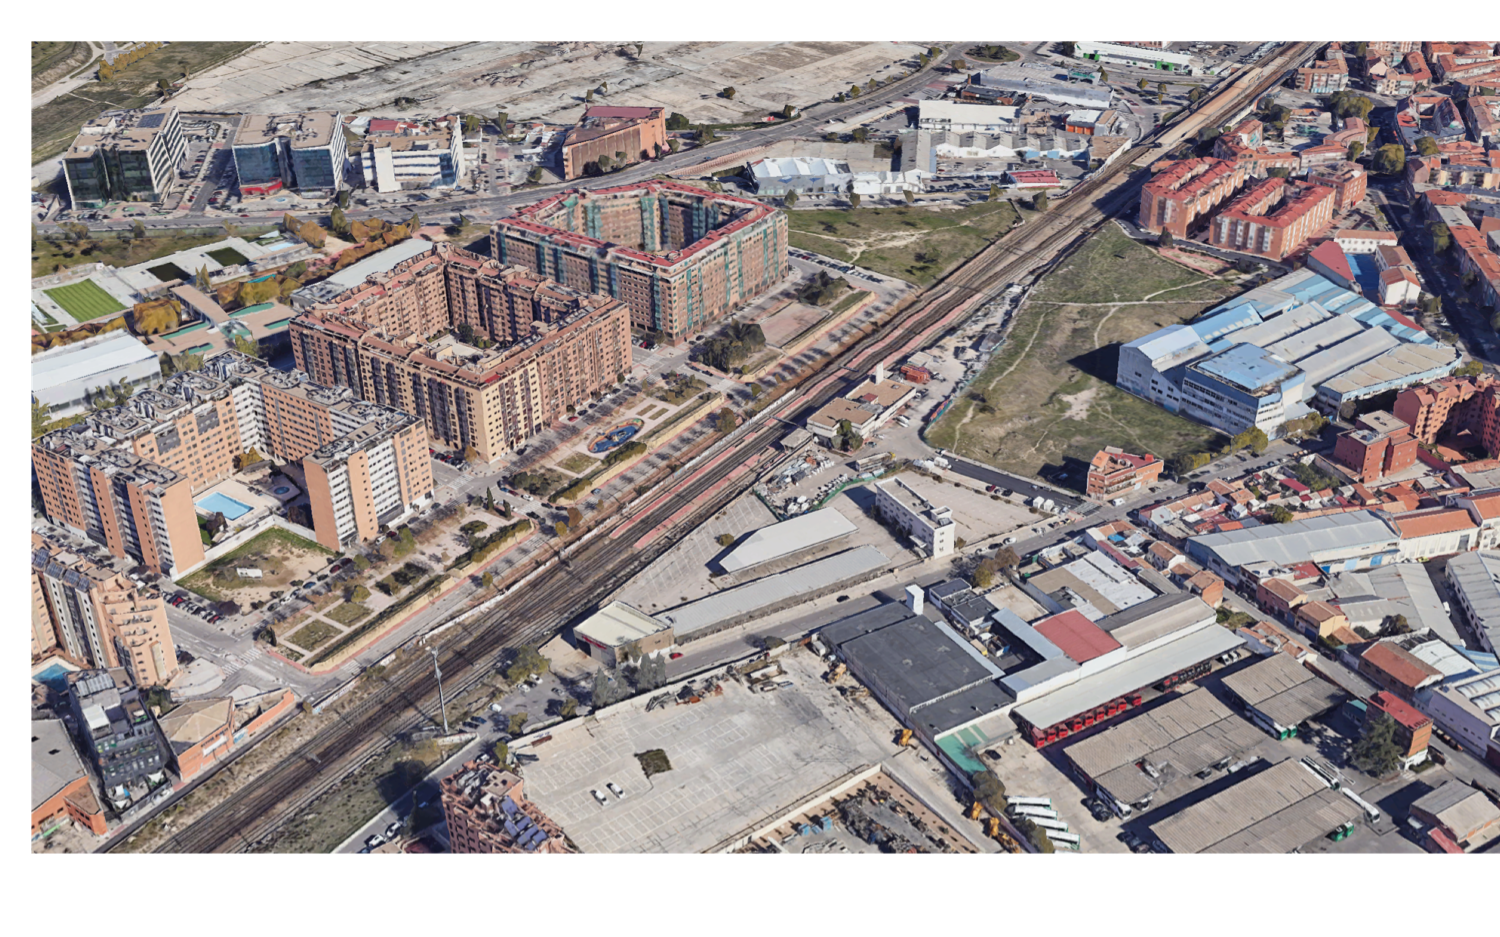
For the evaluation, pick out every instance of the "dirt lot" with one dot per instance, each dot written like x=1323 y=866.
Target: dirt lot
x=280 y=556
x=1048 y=392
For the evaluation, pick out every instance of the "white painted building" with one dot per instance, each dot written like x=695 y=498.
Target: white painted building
x=400 y=154
x=932 y=528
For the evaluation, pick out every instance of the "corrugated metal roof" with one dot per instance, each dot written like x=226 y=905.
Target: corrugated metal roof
x=82 y=361
x=1283 y=690
x=1128 y=676
x=755 y=595
x=788 y=537
x=617 y=624
x=1274 y=811
x=1298 y=540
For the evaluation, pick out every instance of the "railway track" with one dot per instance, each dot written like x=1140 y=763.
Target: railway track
x=585 y=578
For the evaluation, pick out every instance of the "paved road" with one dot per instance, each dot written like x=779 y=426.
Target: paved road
x=66 y=83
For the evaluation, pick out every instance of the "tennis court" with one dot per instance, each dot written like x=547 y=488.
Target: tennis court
x=84 y=300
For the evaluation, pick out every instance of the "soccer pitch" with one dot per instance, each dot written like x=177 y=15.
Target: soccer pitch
x=84 y=300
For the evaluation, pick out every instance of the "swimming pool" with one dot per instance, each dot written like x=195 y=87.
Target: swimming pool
x=225 y=505
x=55 y=676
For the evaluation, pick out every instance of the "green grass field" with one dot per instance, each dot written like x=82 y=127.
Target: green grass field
x=915 y=244
x=84 y=300
x=228 y=256
x=1048 y=393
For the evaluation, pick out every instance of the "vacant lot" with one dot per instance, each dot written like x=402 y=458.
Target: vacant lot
x=53 y=60
x=281 y=556
x=56 y=123
x=1048 y=393
x=48 y=255
x=915 y=244
x=578 y=463
x=84 y=300
x=311 y=636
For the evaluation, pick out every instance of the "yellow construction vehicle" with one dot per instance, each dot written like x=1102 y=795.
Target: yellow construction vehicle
x=838 y=671
x=975 y=810
x=903 y=737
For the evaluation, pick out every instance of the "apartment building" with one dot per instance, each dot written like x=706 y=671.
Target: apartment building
x=930 y=528
x=1378 y=446
x=1325 y=75
x=124 y=156
x=1346 y=179
x=1274 y=218
x=125 y=477
x=303 y=151
x=621 y=134
x=95 y=614
x=680 y=257
x=547 y=347
x=488 y=813
x=410 y=154
x=1400 y=76
x=1450 y=406
x=1114 y=470
x=1187 y=190
x=119 y=736
x=1483 y=115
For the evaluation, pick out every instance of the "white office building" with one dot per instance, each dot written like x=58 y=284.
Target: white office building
x=931 y=528
x=403 y=154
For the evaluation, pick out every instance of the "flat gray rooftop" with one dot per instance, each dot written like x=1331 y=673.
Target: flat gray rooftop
x=791 y=536
x=1284 y=690
x=1275 y=811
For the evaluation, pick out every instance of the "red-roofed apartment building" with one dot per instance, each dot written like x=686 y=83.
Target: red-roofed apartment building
x=1185 y=191
x=1484 y=509
x=1280 y=598
x=1325 y=75
x=1076 y=636
x=1395 y=669
x=1451 y=405
x=1379 y=446
x=1113 y=471
x=1274 y=218
x=1413 y=729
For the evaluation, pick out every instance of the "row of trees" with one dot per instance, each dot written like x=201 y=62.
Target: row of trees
x=108 y=70
x=1254 y=439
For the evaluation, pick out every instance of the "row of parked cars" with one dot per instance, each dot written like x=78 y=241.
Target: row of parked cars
x=181 y=600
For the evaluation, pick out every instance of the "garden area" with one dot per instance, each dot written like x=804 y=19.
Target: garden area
x=1048 y=394
x=61 y=251
x=914 y=244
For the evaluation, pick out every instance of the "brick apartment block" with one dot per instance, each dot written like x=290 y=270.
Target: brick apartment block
x=1273 y=218
x=1187 y=190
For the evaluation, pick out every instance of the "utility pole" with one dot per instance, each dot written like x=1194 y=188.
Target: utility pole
x=442 y=702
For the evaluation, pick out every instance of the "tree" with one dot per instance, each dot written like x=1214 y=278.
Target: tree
x=672 y=145
x=854 y=91
x=1470 y=368
x=853 y=198
x=1427 y=146
x=489 y=498
x=1039 y=202
x=910 y=196
x=983 y=577
x=560 y=528
x=575 y=517
x=605 y=163
x=535 y=175
x=934 y=51
x=1355 y=149
x=990 y=791
x=605 y=689
x=994 y=192
x=39 y=418
x=788 y=112
x=501 y=751
x=517 y=723
x=569 y=708
x=359 y=593
x=621 y=159
x=922 y=61
x=959 y=65
x=137 y=230
x=1253 y=439
x=1376 y=752
x=1280 y=514
x=1390 y=159
x=1035 y=835
x=725 y=421
x=1392 y=625
x=1195 y=95
x=1442 y=238
x=246 y=345
x=1103 y=77
x=790 y=198
x=527 y=661
x=338 y=222
x=724 y=540
x=1143 y=84
x=487 y=581
x=638 y=47
x=728 y=93
x=471 y=455
x=589 y=95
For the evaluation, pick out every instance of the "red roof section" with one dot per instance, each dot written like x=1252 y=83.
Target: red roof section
x=1398 y=709
x=1332 y=256
x=1079 y=638
x=1399 y=665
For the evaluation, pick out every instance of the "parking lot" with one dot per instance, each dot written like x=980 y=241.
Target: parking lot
x=737 y=760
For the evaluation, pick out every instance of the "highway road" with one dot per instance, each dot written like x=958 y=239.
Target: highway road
x=592 y=571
